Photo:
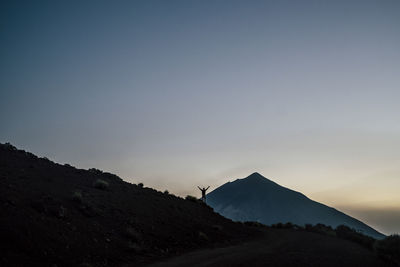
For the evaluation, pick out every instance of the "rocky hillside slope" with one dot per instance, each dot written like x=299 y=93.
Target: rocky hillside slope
x=57 y=215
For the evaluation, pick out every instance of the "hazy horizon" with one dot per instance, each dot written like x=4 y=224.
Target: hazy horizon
x=177 y=94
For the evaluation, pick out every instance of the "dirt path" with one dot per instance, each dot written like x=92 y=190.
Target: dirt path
x=281 y=248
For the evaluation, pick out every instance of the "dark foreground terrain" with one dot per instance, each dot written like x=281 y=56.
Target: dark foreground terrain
x=282 y=247
x=57 y=215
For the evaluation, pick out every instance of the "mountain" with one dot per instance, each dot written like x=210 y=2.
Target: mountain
x=57 y=215
x=255 y=198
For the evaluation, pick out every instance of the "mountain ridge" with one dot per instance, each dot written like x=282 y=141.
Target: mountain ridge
x=256 y=198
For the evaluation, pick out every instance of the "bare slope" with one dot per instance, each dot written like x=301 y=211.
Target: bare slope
x=57 y=214
x=256 y=198
x=279 y=248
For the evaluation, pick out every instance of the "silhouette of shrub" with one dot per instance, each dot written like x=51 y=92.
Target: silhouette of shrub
x=308 y=227
x=389 y=249
x=140 y=185
x=166 y=192
x=278 y=225
x=327 y=230
x=77 y=197
x=255 y=224
x=192 y=198
x=10 y=146
x=68 y=166
x=96 y=171
x=345 y=232
x=101 y=184
x=320 y=229
x=111 y=176
x=288 y=225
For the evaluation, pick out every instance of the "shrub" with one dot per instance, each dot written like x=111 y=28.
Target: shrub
x=389 y=249
x=288 y=225
x=101 y=184
x=327 y=230
x=96 y=171
x=140 y=185
x=308 y=227
x=166 y=192
x=320 y=229
x=192 y=198
x=77 y=196
x=9 y=146
x=345 y=232
x=111 y=176
x=255 y=224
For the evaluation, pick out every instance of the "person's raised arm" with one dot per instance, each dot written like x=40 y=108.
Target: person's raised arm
x=198 y=187
x=207 y=187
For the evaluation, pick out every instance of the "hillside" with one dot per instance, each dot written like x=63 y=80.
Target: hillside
x=57 y=215
x=256 y=198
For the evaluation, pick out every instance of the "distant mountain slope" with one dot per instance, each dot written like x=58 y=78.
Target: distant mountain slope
x=256 y=198
x=58 y=215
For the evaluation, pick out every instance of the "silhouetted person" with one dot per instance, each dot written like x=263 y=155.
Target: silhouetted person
x=203 y=193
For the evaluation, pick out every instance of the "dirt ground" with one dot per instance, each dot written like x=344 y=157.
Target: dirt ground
x=281 y=248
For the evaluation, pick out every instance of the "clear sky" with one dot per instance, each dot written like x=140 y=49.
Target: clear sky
x=177 y=94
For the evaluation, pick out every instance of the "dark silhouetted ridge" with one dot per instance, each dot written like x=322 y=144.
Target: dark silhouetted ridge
x=58 y=215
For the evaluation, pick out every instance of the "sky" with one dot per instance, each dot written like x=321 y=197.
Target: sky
x=177 y=94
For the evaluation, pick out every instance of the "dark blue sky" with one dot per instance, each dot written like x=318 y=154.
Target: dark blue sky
x=177 y=94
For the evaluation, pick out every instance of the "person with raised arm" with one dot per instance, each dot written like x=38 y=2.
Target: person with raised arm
x=203 y=193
